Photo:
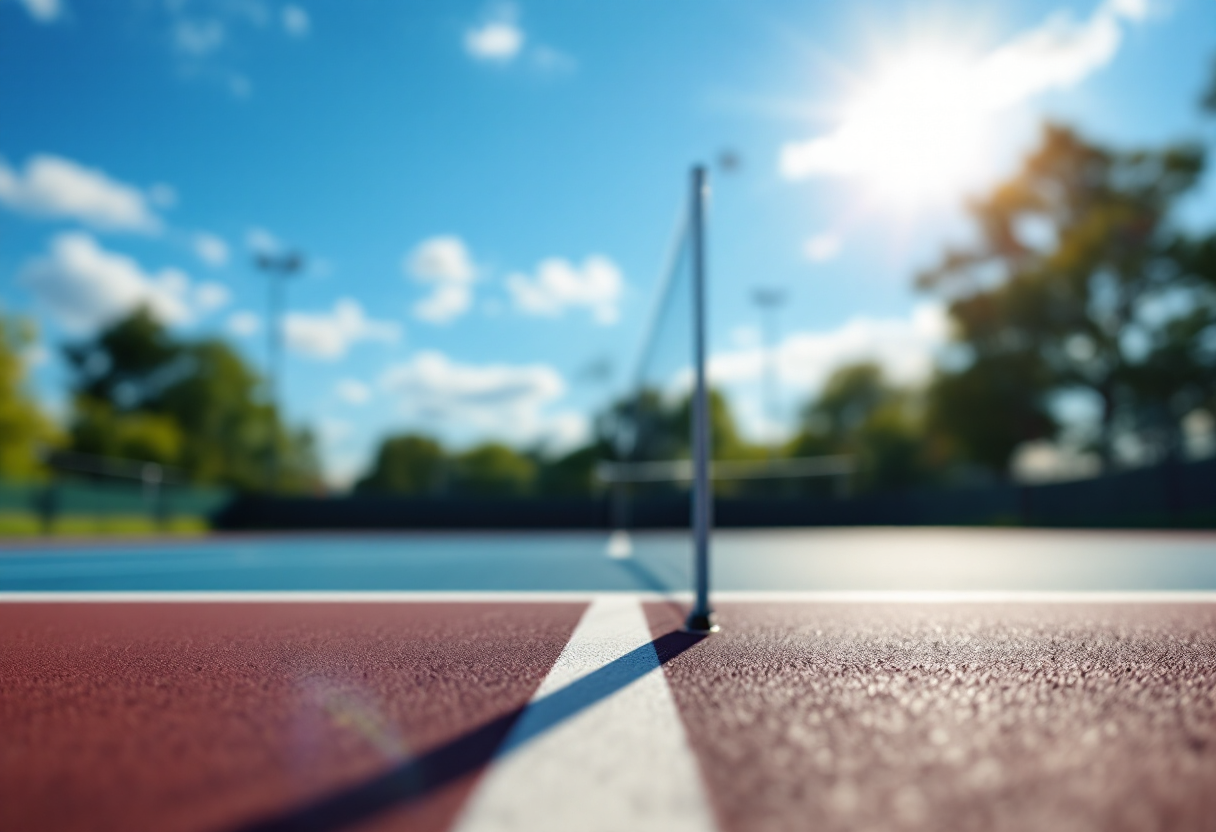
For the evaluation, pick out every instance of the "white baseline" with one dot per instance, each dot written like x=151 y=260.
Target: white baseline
x=1155 y=596
x=622 y=761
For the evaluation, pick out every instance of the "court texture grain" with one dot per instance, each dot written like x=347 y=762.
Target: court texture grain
x=894 y=679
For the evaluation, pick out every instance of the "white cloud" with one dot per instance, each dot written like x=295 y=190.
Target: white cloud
x=353 y=391
x=746 y=336
x=335 y=431
x=560 y=285
x=442 y=259
x=823 y=247
x=509 y=401
x=328 y=335
x=444 y=304
x=199 y=37
x=904 y=346
x=495 y=40
x=243 y=323
x=1043 y=461
x=35 y=355
x=562 y=431
x=296 y=21
x=499 y=39
x=44 y=11
x=343 y=467
x=445 y=264
x=210 y=296
x=86 y=287
x=1058 y=54
x=211 y=249
x=58 y=188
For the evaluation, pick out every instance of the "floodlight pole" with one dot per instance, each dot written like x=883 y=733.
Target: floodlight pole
x=770 y=301
x=277 y=268
x=701 y=618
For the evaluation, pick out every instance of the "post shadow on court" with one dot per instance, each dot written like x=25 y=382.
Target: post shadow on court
x=648 y=578
x=422 y=776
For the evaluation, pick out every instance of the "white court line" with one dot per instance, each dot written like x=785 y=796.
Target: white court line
x=1034 y=596
x=614 y=758
x=533 y=597
x=322 y=596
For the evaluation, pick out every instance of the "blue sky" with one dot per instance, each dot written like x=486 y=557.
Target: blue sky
x=484 y=192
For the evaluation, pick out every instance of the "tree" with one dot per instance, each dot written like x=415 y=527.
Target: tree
x=406 y=464
x=98 y=429
x=128 y=363
x=725 y=440
x=141 y=394
x=891 y=446
x=649 y=426
x=849 y=397
x=24 y=430
x=984 y=411
x=572 y=473
x=644 y=427
x=860 y=413
x=1075 y=255
x=494 y=470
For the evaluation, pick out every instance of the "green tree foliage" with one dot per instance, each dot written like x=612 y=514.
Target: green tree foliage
x=1075 y=264
x=646 y=426
x=407 y=464
x=24 y=430
x=984 y=411
x=725 y=440
x=141 y=394
x=860 y=413
x=99 y=429
x=411 y=464
x=848 y=399
x=494 y=470
x=573 y=473
x=650 y=426
x=891 y=446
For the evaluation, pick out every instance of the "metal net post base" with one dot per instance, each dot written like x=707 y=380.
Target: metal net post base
x=701 y=623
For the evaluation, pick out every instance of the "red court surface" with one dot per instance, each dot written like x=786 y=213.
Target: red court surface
x=799 y=715
x=205 y=716
x=954 y=716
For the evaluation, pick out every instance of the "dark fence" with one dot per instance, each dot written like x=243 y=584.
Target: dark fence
x=386 y=512
x=1169 y=495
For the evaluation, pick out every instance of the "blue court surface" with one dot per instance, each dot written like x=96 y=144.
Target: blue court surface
x=883 y=559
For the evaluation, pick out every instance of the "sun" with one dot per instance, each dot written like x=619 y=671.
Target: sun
x=916 y=132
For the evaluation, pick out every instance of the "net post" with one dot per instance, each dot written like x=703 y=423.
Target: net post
x=701 y=618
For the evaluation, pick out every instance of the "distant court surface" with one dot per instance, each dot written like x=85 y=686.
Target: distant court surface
x=887 y=559
x=923 y=679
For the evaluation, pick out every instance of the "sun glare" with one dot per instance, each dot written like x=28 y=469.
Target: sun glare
x=917 y=132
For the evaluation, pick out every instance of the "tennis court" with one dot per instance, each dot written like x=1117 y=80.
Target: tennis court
x=862 y=679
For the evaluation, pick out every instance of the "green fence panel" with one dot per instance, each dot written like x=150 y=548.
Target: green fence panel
x=68 y=497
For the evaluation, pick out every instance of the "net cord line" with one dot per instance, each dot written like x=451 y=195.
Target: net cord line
x=681 y=470
x=671 y=264
x=673 y=256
